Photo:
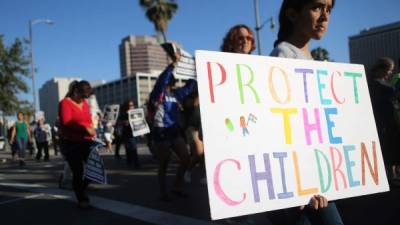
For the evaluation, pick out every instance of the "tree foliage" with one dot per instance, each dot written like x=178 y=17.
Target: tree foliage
x=13 y=69
x=320 y=54
x=159 y=12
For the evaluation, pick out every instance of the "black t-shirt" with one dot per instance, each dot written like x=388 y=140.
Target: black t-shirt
x=126 y=128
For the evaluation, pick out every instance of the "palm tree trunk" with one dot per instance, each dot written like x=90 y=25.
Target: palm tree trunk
x=164 y=36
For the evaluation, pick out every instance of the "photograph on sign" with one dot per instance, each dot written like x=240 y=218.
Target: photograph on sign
x=111 y=113
x=185 y=68
x=138 y=122
x=277 y=131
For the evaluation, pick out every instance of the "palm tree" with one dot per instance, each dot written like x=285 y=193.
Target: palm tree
x=320 y=54
x=159 y=12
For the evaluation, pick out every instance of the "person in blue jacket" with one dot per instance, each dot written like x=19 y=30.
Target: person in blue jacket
x=166 y=99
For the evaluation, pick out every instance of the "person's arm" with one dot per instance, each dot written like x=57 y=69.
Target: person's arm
x=28 y=130
x=13 y=131
x=181 y=93
x=161 y=84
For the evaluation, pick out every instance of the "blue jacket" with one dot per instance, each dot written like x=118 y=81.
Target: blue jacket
x=168 y=105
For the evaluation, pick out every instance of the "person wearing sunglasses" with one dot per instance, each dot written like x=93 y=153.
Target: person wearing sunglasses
x=239 y=39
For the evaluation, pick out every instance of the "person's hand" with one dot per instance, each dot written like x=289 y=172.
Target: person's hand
x=11 y=141
x=317 y=202
x=177 y=57
x=91 y=131
x=109 y=147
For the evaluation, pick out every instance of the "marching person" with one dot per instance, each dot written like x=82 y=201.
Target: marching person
x=42 y=134
x=128 y=139
x=21 y=134
x=300 y=21
x=168 y=134
x=78 y=132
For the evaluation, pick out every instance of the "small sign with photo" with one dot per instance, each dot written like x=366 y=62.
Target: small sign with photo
x=138 y=122
x=111 y=113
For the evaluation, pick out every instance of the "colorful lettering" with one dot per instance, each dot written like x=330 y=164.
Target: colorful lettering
x=217 y=186
x=266 y=175
x=241 y=85
x=286 y=121
x=210 y=79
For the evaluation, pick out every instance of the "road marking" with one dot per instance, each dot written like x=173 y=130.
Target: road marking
x=22 y=198
x=145 y=214
x=20 y=185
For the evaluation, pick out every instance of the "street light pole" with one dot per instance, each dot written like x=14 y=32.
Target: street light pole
x=31 y=23
x=256 y=8
x=259 y=27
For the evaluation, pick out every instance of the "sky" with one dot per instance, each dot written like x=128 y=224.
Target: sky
x=83 y=41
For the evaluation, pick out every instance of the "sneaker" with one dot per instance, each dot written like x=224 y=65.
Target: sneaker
x=187 y=176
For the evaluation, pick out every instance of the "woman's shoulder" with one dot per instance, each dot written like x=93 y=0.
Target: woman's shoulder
x=284 y=50
x=65 y=101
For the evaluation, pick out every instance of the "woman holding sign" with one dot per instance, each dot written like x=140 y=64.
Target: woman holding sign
x=77 y=131
x=300 y=21
x=127 y=137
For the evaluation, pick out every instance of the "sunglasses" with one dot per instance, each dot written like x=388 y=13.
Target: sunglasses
x=245 y=38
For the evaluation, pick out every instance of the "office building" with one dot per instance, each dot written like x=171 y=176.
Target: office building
x=373 y=43
x=136 y=87
x=141 y=54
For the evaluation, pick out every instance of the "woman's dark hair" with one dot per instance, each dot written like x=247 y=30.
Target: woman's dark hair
x=285 y=25
x=79 y=87
x=125 y=105
x=229 y=41
x=382 y=64
x=71 y=88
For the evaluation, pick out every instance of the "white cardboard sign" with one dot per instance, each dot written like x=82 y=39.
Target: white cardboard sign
x=138 y=122
x=278 y=131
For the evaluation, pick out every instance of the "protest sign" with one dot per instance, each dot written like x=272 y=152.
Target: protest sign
x=185 y=68
x=94 y=169
x=138 y=122
x=110 y=113
x=278 y=131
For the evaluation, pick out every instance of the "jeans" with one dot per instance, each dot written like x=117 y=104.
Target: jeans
x=76 y=154
x=308 y=216
x=21 y=146
x=326 y=216
x=131 y=152
x=42 y=146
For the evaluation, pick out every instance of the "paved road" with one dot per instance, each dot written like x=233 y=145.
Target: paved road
x=30 y=195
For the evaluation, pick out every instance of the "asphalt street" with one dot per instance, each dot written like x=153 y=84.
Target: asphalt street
x=30 y=195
